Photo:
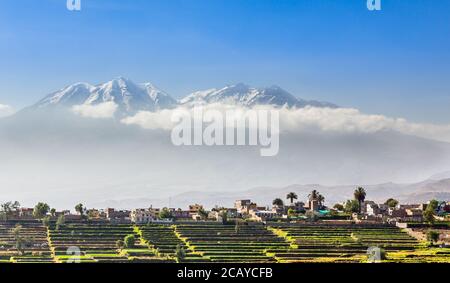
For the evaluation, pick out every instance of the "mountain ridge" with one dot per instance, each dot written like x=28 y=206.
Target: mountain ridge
x=132 y=97
x=420 y=192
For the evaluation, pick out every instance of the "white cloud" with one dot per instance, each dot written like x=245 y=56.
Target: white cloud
x=102 y=110
x=6 y=110
x=349 y=120
x=151 y=120
x=339 y=120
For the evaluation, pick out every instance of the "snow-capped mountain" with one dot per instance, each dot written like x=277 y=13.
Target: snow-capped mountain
x=129 y=96
x=245 y=95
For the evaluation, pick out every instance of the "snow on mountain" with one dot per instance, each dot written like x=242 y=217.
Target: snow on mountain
x=244 y=95
x=129 y=96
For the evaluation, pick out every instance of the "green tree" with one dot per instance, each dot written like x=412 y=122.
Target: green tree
x=79 y=208
x=291 y=196
x=53 y=212
x=165 y=213
x=352 y=206
x=203 y=213
x=278 y=202
x=7 y=208
x=360 y=195
x=180 y=253
x=46 y=221
x=432 y=236
x=433 y=205
x=129 y=241
x=40 y=210
x=428 y=215
x=60 y=222
x=391 y=202
x=19 y=240
x=338 y=207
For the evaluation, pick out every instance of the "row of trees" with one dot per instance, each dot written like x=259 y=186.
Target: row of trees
x=314 y=195
x=40 y=210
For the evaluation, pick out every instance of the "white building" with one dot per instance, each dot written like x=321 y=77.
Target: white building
x=263 y=215
x=142 y=216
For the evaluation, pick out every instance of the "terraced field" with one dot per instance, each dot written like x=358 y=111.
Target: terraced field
x=96 y=243
x=163 y=240
x=225 y=243
x=211 y=242
x=35 y=245
x=316 y=243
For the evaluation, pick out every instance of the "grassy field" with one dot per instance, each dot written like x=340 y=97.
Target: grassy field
x=211 y=242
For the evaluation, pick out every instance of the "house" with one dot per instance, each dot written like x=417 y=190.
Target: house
x=25 y=213
x=413 y=215
x=246 y=206
x=241 y=205
x=96 y=214
x=195 y=208
x=312 y=205
x=118 y=216
x=263 y=215
x=397 y=213
x=142 y=216
x=181 y=214
x=217 y=213
x=372 y=209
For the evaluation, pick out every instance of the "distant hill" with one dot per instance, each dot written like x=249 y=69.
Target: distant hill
x=405 y=193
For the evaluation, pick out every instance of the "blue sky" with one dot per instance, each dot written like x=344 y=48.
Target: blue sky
x=394 y=62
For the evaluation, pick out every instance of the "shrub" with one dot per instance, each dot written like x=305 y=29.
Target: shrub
x=129 y=241
x=180 y=253
x=432 y=236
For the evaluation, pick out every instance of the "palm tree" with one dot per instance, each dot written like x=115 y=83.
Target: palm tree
x=314 y=195
x=321 y=200
x=277 y=202
x=360 y=196
x=291 y=196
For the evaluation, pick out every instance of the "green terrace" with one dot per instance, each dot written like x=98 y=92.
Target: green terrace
x=163 y=240
x=199 y=242
x=98 y=243
x=339 y=243
x=32 y=240
x=230 y=243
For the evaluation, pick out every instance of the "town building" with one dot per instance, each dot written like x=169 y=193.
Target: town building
x=142 y=216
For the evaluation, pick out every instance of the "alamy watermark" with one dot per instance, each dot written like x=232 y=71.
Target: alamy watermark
x=232 y=127
x=374 y=5
x=73 y=5
x=374 y=255
x=74 y=254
